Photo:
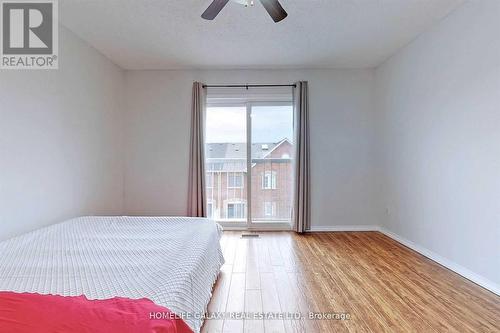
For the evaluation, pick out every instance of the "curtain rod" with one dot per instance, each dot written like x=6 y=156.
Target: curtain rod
x=249 y=86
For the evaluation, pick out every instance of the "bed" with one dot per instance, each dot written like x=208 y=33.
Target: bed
x=173 y=261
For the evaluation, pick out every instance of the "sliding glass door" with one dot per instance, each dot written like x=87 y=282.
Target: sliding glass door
x=271 y=172
x=249 y=164
x=226 y=164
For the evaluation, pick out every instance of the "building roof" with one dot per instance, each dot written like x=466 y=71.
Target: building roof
x=238 y=150
x=231 y=157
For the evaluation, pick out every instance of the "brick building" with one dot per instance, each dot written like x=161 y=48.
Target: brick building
x=272 y=181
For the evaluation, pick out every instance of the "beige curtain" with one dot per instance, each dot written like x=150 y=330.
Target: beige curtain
x=196 y=200
x=302 y=195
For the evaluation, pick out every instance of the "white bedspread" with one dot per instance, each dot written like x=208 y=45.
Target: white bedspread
x=171 y=260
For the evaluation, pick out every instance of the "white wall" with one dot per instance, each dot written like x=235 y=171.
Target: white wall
x=438 y=112
x=157 y=140
x=60 y=140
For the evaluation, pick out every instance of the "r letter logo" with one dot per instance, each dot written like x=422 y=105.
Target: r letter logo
x=29 y=34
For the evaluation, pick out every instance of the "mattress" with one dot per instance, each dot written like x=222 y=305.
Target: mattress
x=173 y=261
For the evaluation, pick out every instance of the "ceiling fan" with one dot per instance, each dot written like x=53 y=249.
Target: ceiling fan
x=273 y=7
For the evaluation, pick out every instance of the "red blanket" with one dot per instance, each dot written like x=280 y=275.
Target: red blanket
x=34 y=313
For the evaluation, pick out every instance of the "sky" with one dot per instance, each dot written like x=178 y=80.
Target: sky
x=269 y=124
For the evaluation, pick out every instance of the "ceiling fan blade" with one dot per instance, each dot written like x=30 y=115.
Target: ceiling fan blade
x=274 y=9
x=214 y=9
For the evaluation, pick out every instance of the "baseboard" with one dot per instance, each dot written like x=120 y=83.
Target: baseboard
x=466 y=273
x=337 y=228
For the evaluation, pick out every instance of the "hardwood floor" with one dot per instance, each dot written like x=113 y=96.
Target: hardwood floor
x=382 y=286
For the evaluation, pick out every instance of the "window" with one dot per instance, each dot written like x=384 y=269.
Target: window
x=210 y=180
x=272 y=134
x=210 y=209
x=249 y=149
x=234 y=180
x=214 y=166
x=269 y=180
x=226 y=160
x=269 y=209
x=236 y=210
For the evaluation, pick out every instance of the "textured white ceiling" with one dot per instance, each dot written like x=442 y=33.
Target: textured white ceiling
x=169 y=34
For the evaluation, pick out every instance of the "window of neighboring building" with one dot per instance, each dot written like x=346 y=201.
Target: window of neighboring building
x=234 y=180
x=215 y=166
x=210 y=209
x=269 y=180
x=236 y=210
x=210 y=180
x=269 y=209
